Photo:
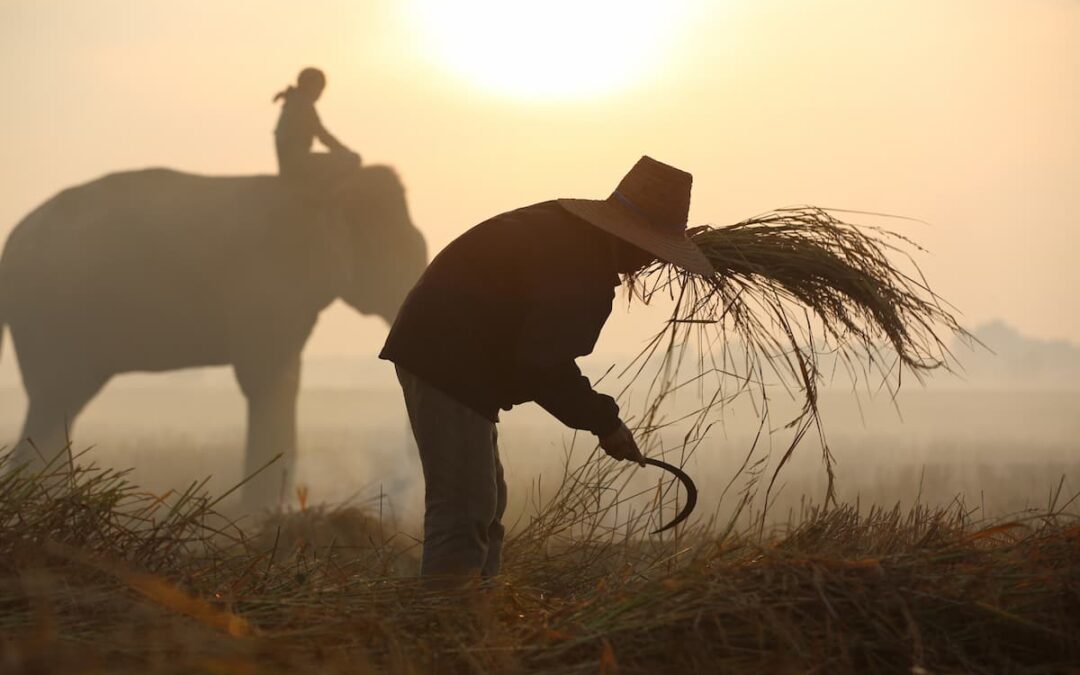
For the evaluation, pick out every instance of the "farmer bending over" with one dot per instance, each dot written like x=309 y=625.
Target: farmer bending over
x=297 y=127
x=497 y=319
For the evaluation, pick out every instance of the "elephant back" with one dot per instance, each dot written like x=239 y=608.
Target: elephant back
x=142 y=257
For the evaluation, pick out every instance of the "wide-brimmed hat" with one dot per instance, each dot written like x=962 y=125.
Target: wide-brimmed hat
x=649 y=209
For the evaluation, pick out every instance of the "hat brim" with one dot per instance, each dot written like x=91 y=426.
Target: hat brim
x=616 y=219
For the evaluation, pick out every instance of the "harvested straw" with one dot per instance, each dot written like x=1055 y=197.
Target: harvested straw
x=790 y=286
x=836 y=270
x=101 y=576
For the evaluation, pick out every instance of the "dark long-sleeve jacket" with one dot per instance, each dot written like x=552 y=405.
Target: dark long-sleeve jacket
x=500 y=315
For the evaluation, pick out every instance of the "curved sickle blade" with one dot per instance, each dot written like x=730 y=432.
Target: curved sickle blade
x=691 y=491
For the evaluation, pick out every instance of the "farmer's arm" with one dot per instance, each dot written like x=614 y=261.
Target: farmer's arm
x=564 y=392
x=563 y=322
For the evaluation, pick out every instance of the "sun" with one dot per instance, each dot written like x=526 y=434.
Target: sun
x=550 y=48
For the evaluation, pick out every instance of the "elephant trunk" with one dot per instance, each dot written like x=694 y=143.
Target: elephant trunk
x=381 y=279
x=388 y=253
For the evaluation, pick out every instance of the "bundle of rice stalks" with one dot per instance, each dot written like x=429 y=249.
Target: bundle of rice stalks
x=791 y=286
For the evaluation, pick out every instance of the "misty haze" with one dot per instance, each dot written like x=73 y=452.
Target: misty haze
x=540 y=337
x=1001 y=434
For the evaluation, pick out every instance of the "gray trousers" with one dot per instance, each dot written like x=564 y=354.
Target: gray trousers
x=464 y=493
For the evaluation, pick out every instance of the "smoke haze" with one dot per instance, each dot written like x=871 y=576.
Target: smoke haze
x=960 y=114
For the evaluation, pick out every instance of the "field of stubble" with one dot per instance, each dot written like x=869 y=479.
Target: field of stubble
x=955 y=548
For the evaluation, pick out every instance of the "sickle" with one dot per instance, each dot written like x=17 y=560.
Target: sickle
x=691 y=491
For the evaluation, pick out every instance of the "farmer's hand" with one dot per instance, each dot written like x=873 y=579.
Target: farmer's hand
x=620 y=445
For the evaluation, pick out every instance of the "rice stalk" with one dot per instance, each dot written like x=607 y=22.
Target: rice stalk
x=791 y=287
x=883 y=591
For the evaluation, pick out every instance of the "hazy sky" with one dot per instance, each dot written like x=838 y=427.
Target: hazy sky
x=963 y=113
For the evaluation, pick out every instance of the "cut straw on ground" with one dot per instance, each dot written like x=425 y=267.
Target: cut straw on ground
x=101 y=576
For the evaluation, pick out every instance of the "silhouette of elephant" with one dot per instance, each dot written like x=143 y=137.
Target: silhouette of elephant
x=156 y=270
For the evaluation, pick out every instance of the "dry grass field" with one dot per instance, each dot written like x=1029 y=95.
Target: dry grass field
x=97 y=575
x=954 y=548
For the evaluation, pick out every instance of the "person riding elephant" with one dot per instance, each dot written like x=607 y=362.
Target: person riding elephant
x=297 y=128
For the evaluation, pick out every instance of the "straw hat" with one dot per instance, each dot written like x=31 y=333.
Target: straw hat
x=649 y=209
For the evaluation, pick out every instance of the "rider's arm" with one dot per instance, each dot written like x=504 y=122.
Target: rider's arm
x=328 y=139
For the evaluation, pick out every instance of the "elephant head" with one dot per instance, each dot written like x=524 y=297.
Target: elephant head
x=385 y=252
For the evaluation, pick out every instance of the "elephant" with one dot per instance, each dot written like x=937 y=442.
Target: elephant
x=156 y=270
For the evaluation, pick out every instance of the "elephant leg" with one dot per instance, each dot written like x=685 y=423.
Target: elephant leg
x=50 y=417
x=271 y=390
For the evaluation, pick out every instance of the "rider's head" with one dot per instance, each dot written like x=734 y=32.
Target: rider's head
x=311 y=83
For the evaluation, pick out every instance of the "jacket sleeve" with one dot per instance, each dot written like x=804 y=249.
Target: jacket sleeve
x=563 y=322
x=568 y=395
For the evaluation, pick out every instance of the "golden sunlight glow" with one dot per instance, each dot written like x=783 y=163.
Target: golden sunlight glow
x=550 y=49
